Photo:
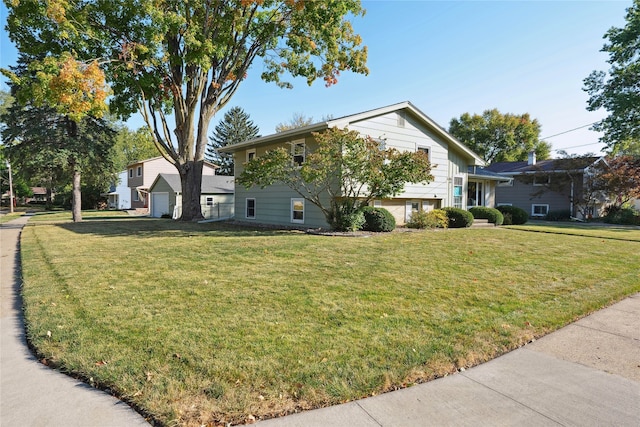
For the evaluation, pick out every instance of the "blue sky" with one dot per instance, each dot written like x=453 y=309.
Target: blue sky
x=453 y=57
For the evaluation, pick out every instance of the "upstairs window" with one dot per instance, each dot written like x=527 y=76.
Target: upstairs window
x=139 y=171
x=297 y=152
x=131 y=173
x=251 y=154
x=426 y=151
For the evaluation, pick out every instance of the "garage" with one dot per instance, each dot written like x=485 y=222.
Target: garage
x=159 y=204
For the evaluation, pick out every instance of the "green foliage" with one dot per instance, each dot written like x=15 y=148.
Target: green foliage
x=617 y=90
x=498 y=137
x=459 y=218
x=378 y=219
x=559 y=215
x=297 y=121
x=493 y=215
x=348 y=170
x=187 y=59
x=517 y=215
x=624 y=216
x=234 y=128
x=131 y=147
x=436 y=218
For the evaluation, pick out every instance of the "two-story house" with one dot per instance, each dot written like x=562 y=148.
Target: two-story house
x=456 y=169
x=142 y=174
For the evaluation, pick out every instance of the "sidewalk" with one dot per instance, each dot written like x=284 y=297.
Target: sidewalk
x=586 y=374
x=32 y=394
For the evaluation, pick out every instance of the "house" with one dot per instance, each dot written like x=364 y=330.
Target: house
x=555 y=185
x=142 y=174
x=39 y=196
x=216 y=199
x=119 y=195
x=401 y=126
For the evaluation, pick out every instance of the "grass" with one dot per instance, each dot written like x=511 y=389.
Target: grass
x=619 y=232
x=206 y=323
x=9 y=216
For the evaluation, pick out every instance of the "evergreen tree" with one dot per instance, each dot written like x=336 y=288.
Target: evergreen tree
x=235 y=127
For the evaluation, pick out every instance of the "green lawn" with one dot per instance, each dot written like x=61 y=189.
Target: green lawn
x=604 y=231
x=206 y=323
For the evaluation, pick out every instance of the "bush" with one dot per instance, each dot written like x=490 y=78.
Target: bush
x=493 y=215
x=436 y=218
x=623 y=216
x=459 y=218
x=561 y=215
x=348 y=221
x=378 y=219
x=517 y=216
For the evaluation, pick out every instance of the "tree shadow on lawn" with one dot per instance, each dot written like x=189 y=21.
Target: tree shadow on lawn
x=151 y=227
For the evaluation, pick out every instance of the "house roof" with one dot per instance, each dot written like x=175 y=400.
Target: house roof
x=206 y=163
x=217 y=184
x=345 y=121
x=483 y=173
x=551 y=165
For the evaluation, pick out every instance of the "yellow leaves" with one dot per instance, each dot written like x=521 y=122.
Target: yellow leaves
x=56 y=10
x=78 y=88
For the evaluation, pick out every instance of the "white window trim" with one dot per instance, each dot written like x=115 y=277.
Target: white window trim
x=533 y=206
x=377 y=203
x=246 y=208
x=130 y=172
x=213 y=200
x=535 y=184
x=504 y=204
x=424 y=147
x=297 y=221
x=249 y=152
x=304 y=150
x=139 y=171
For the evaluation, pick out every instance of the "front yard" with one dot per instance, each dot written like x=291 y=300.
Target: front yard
x=206 y=323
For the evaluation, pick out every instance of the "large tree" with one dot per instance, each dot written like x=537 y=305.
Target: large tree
x=132 y=146
x=234 y=128
x=188 y=58
x=618 y=90
x=51 y=132
x=498 y=137
x=619 y=177
x=345 y=173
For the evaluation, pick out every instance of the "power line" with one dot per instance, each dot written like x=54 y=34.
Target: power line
x=567 y=131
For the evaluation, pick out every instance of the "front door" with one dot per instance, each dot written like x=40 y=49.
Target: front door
x=475 y=194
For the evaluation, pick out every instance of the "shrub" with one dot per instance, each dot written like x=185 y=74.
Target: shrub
x=436 y=218
x=378 y=219
x=560 y=215
x=493 y=215
x=517 y=216
x=623 y=216
x=349 y=222
x=459 y=218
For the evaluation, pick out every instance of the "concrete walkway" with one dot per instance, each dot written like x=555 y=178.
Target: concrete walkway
x=32 y=394
x=587 y=374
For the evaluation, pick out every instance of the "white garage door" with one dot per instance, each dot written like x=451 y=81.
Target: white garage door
x=159 y=204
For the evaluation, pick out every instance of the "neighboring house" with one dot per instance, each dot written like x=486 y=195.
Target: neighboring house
x=140 y=176
x=544 y=186
x=401 y=126
x=39 y=196
x=216 y=199
x=119 y=195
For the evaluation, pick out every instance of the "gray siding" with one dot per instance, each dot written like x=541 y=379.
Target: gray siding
x=522 y=195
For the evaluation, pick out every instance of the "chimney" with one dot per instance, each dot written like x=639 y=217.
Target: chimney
x=532 y=158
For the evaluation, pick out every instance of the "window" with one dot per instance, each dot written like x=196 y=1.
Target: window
x=250 y=208
x=131 y=173
x=209 y=201
x=505 y=204
x=377 y=203
x=541 y=180
x=297 y=151
x=297 y=211
x=251 y=154
x=474 y=194
x=136 y=196
x=457 y=192
x=426 y=151
x=139 y=171
x=539 y=210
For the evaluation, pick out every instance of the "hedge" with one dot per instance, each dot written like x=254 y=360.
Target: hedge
x=493 y=215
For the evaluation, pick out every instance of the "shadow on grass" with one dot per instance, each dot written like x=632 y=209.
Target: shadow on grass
x=149 y=228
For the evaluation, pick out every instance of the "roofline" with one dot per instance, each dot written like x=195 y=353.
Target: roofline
x=347 y=120
x=206 y=162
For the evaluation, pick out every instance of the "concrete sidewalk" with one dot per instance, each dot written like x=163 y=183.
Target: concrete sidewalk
x=30 y=393
x=586 y=374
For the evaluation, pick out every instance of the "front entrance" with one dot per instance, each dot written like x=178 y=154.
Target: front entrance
x=475 y=194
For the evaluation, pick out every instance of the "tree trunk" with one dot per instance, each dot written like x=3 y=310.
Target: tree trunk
x=76 y=199
x=191 y=179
